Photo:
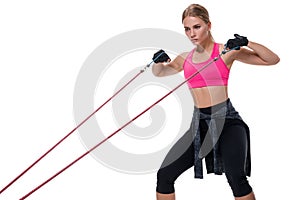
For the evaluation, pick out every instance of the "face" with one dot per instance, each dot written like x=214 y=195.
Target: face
x=196 y=29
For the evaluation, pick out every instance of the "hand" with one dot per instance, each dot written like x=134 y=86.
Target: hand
x=237 y=42
x=161 y=56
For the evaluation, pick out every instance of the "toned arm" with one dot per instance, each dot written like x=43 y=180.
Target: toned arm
x=257 y=54
x=166 y=69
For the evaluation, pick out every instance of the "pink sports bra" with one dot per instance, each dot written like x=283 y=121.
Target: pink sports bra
x=216 y=74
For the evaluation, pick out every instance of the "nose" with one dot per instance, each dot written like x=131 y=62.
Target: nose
x=192 y=33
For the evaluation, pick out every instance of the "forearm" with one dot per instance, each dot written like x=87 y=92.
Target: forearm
x=265 y=54
x=169 y=67
x=165 y=69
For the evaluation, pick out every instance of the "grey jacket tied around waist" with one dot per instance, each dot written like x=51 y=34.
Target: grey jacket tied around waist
x=208 y=146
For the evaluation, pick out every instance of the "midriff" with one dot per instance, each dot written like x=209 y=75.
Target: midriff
x=209 y=96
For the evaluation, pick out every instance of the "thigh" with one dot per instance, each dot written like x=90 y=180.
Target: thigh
x=179 y=158
x=233 y=146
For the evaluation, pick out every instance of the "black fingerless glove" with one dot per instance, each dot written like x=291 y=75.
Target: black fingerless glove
x=160 y=56
x=237 y=42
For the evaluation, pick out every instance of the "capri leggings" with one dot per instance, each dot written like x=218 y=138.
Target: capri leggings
x=233 y=147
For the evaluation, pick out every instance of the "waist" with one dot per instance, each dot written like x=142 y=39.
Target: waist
x=209 y=96
x=223 y=110
x=213 y=108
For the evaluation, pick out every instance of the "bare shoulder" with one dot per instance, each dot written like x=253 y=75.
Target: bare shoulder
x=229 y=57
x=182 y=56
x=178 y=62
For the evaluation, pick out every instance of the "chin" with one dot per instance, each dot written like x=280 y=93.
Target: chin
x=196 y=43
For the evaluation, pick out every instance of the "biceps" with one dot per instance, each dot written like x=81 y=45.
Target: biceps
x=250 y=57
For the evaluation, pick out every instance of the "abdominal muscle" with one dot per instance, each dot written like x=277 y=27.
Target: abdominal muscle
x=209 y=96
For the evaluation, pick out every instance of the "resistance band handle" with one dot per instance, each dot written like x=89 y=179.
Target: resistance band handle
x=149 y=64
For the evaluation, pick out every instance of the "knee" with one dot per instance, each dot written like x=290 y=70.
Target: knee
x=165 y=182
x=239 y=185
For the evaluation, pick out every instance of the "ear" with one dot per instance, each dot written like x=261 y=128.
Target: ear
x=209 y=26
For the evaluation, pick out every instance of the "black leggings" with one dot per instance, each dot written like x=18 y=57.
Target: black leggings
x=233 y=147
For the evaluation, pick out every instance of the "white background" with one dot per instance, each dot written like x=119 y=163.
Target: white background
x=42 y=48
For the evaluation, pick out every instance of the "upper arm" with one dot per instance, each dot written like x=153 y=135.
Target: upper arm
x=257 y=54
x=249 y=57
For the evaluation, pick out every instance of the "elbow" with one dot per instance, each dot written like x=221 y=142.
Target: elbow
x=157 y=70
x=275 y=60
x=156 y=73
x=278 y=60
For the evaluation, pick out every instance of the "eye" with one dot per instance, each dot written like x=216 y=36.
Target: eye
x=197 y=26
x=186 y=29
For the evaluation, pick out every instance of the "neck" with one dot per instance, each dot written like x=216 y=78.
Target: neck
x=205 y=46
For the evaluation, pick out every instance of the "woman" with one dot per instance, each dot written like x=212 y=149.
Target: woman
x=218 y=133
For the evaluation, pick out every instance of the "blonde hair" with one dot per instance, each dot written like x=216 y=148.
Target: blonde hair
x=196 y=10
